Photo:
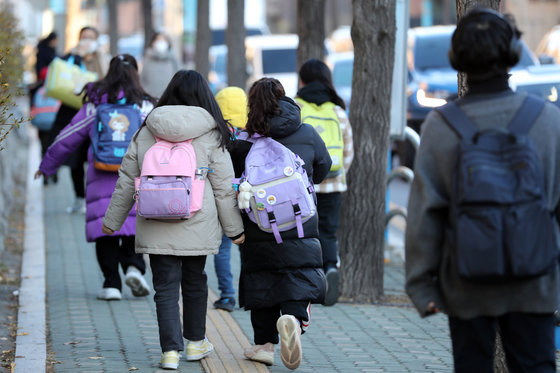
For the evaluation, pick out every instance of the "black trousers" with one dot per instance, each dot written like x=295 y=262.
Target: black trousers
x=169 y=274
x=114 y=250
x=264 y=319
x=528 y=341
x=328 y=209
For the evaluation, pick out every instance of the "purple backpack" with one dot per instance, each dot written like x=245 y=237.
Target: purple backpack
x=281 y=196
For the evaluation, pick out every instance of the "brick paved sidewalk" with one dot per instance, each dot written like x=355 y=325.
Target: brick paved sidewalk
x=88 y=335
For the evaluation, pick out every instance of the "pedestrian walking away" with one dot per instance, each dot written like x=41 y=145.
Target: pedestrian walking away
x=482 y=234
x=186 y=117
x=85 y=54
x=46 y=52
x=281 y=273
x=323 y=108
x=233 y=104
x=120 y=85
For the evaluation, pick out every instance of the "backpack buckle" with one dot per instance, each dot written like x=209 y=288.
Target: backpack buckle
x=297 y=209
x=271 y=217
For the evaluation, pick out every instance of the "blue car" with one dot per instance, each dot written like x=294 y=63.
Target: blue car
x=431 y=79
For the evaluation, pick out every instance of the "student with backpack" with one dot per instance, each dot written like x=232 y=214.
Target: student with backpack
x=278 y=159
x=178 y=170
x=233 y=104
x=113 y=107
x=323 y=108
x=87 y=55
x=482 y=234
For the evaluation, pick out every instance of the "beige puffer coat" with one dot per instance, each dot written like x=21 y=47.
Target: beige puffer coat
x=201 y=234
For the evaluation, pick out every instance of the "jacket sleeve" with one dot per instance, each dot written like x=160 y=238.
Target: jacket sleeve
x=224 y=194
x=322 y=160
x=69 y=139
x=122 y=199
x=427 y=215
x=346 y=128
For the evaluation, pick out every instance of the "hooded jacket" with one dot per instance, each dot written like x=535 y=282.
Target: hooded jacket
x=273 y=273
x=202 y=233
x=233 y=103
x=99 y=184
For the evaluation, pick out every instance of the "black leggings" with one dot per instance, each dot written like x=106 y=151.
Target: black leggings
x=114 y=250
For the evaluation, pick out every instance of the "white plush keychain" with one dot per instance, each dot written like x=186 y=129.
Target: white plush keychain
x=244 y=195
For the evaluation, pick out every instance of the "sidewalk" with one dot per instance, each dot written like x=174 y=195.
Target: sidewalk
x=88 y=335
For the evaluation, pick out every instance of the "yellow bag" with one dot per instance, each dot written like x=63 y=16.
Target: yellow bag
x=65 y=81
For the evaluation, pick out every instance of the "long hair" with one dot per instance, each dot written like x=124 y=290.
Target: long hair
x=263 y=105
x=314 y=70
x=189 y=88
x=121 y=77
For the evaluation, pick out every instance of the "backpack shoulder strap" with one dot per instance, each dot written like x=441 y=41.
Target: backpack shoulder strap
x=458 y=121
x=526 y=115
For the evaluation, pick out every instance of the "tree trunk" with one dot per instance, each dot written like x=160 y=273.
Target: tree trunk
x=112 y=9
x=363 y=215
x=311 y=30
x=203 y=36
x=462 y=7
x=500 y=365
x=235 y=40
x=148 y=21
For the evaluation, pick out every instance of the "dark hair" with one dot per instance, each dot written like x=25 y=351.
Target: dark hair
x=167 y=38
x=482 y=43
x=263 y=105
x=122 y=76
x=189 y=88
x=314 y=70
x=91 y=28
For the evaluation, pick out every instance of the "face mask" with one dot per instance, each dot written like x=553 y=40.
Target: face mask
x=161 y=46
x=87 y=46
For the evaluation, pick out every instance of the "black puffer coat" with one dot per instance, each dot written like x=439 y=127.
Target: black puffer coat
x=273 y=273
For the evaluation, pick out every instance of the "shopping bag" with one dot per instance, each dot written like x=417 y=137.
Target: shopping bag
x=43 y=110
x=65 y=81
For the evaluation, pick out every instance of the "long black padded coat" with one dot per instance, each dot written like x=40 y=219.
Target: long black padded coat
x=273 y=273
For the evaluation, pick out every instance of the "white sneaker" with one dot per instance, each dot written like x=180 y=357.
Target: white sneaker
x=109 y=294
x=79 y=206
x=290 y=341
x=136 y=282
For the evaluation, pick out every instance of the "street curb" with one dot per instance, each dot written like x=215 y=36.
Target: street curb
x=31 y=345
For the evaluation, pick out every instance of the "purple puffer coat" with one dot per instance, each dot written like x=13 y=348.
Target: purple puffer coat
x=99 y=184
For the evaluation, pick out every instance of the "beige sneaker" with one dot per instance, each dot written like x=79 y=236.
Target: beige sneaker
x=261 y=353
x=170 y=360
x=197 y=350
x=290 y=341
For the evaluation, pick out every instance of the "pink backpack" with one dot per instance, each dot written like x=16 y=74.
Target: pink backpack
x=170 y=185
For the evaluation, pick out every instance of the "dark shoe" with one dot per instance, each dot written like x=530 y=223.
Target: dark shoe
x=332 y=287
x=227 y=304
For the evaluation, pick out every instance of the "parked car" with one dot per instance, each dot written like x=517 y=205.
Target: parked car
x=432 y=80
x=549 y=46
x=273 y=56
x=219 y=35
x=542 y=81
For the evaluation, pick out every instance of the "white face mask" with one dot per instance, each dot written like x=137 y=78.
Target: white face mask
x=88 y=46
x=161 y=46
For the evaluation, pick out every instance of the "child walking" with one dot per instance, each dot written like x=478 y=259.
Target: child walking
x=121 y=84
x=178 y=249
x=279 y=281
x=233 y=103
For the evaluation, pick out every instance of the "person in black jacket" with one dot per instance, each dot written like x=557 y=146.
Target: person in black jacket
x=280 y=279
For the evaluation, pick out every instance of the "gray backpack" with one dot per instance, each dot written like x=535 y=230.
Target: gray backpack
x=501 y=228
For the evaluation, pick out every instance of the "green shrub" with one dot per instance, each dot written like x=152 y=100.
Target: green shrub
x=11 y=70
